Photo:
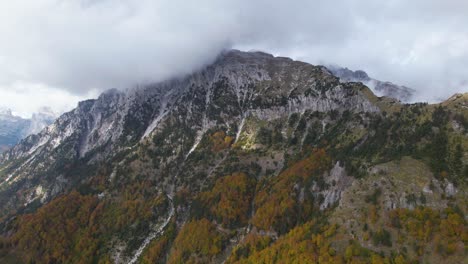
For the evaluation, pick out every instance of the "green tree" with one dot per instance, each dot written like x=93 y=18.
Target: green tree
x=439 y=153
x=456 y=162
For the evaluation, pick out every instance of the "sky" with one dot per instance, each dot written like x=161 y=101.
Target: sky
x=56 y=52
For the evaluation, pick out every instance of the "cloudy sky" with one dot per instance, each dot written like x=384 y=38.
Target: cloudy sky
x=56 y=52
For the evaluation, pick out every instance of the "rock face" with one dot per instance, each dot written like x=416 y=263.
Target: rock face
x=338 y=181
x=249 y=145
x=236 y=86
x=380 y=88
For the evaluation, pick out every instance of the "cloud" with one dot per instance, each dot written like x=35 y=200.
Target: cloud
x=80 y=46
x=27 y=98
x=83 y=45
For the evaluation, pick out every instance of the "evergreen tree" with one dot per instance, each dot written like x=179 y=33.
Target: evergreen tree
x=438 y=152
x=456 y=162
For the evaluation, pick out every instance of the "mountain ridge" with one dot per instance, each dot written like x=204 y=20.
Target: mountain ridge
x=382 y=88
x=244 y=155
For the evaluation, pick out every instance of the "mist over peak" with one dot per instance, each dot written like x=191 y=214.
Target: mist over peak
x=76 y=49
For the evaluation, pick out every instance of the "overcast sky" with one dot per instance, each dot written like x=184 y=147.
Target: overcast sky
x=56 y=52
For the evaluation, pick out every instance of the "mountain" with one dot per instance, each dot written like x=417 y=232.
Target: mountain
x=14 y=128
x=39 y=120
x=251 y=159
x=381 y=88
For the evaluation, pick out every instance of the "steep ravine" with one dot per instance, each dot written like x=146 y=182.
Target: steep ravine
x=153 y=234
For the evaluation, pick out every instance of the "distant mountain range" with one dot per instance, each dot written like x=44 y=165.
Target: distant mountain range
x=14 y=128
x=380 y=88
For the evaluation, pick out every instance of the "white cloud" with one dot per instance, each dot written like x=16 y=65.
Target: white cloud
x=79 y=46
x=27 y=98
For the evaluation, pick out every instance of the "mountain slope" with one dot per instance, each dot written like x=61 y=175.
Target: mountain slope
x=234 y=163
x=224 y=94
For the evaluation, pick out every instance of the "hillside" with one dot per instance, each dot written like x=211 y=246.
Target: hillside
x=252 y=159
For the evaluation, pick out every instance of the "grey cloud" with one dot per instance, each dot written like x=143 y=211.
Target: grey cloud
x=79 y=46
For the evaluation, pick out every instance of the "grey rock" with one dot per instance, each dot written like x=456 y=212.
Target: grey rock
x=381 y=88
x=238 y=85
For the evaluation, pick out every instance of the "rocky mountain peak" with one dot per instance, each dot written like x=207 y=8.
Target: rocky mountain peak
x=347 y=75
x=233 y=54
x=380 y=88
x=238 y=86
x=245 y=149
